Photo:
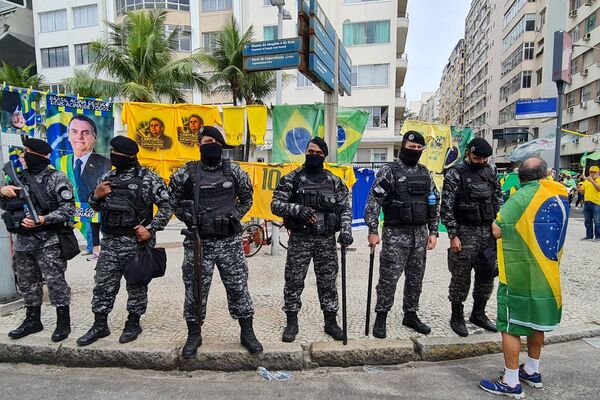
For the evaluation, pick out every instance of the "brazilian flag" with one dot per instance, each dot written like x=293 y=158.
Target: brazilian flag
x=293 y=127
x=351 y=124
x=534 y=226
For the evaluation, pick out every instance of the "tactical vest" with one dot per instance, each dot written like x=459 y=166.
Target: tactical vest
x=320 y=196
x=15 y=207
x=125 y=205
x=406 y=204
x=215 y=198
x=475 y=199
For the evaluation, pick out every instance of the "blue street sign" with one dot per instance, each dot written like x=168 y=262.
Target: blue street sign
x=344 y=55
x=304 y=7
x=317 y=29
x=320 y=70
x=535 y=108
x=317 y=11
x=345 y=83
x=317 y=47
x=345 y=69
x=272 y=47
x=272 y=62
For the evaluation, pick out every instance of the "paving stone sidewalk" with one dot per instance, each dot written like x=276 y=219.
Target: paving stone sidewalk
x=164 y=323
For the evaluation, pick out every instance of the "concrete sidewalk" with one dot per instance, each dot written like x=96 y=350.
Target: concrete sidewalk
x=165 y=332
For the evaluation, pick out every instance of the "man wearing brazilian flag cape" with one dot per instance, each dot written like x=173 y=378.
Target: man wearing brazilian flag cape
x=531 y=229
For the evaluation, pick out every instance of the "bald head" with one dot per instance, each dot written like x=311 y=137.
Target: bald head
x=533 y=169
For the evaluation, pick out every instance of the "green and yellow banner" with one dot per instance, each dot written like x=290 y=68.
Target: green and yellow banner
x=437 y=138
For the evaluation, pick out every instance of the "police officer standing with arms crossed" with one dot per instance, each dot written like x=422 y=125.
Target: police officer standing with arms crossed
x=314 y=204
x=407 y=193
x=37 y=251
x=125 y=196
x=223 y=193
x=471 y=198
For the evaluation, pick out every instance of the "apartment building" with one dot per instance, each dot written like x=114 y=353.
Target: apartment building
x=16 y=32
x=430 y=110
x=582 y=97
x=451 y=92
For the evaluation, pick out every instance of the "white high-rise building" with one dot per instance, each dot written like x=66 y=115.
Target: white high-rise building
x=374 y=33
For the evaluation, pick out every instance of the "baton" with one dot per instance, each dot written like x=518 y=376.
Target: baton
x=344 y=319
x=370 y=284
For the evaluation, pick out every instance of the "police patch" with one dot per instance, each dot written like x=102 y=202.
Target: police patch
x=411 y=136
x=227 y=184
x=132 y=186
x=472 y=149
x=378 y=191
x=164 y=194
x=65 y=194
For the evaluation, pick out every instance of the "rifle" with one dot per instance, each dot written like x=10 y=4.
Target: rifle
x=369 y=287
x=9 y=170
x=344 y=314
x=194 y=235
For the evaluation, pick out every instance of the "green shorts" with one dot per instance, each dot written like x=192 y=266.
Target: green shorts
x=504 y=325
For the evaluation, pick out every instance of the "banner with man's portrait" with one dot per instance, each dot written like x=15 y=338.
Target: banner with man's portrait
x=191 y=118
x=18 y=110
x=79 y=131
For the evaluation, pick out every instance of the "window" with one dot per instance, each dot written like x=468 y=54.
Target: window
x=363 y=155
x=369 y=32
x=574 y=67
x=513 y=11
x=183 y=37
x=85 y=16
x=124 y=6
x=82 y=54
x=588 y=58
x=53 y=21
x=528 y=50
x=507 y=114
x=302 y=81
x=378 y=116
x=209 y=40
x=270 y=32
x=512 y=61
x=55 y=57
x=539 y=76
x=56 y=88
x=542 y=17
x=267 y=3
x=576 y=33
x=379 y=155
x=570 y=99
x=529 y=23
x=510 y=87
x=216 y=5
x=575 y=4
x=370 y=75
x=527 y=79
x=586 y=93
x=590 y=23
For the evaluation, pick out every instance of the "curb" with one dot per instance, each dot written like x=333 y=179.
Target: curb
x=218 y=356
x=12 y=306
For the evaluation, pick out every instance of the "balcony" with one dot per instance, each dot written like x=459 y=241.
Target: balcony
x=401 y=32
x=402 y=4
x=401 y=66
x=400 y=103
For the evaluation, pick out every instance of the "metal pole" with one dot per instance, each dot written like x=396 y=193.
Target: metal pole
x=331 y=104
x=560 y=86
x=8 y=288
x=275 y=229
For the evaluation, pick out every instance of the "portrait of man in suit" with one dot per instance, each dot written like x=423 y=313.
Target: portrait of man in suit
x=87 y=167
x=157 y=133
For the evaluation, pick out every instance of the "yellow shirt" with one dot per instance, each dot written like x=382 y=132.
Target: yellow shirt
x=590 y=193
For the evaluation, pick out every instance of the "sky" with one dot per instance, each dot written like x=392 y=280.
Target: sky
x=434 y=29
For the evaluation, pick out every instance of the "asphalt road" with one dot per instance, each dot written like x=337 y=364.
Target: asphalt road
x=570 y=371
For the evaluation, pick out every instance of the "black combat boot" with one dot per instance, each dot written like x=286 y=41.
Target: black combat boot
x=331 y=326
x=379 y=326
x=479 y=318
x=291 y=329
x=247 y=336
x=194 y=340
x=412 y=321
x=457 y=321
x=132 y=329
x=31 y=323
x=63 y=324
x=97 y=331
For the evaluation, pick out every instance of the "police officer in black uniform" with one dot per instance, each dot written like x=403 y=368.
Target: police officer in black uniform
x=38 y=255
x=471 y=198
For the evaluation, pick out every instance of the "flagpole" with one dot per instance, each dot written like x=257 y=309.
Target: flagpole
x=8 y=288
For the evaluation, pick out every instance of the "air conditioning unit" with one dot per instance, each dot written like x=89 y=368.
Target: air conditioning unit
x=583 y=105
x=587 y=36
x=597 y=100
x=584 y=72
x=573 y=13
x=570 y=110
x=587 y=3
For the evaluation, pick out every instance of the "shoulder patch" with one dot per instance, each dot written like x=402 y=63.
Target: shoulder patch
x=65 y=193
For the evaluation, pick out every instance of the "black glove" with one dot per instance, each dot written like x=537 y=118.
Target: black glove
x=345 y=239
x=305 y=213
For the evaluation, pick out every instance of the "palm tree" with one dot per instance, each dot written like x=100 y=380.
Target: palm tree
x=19 y=76
x=139 y=59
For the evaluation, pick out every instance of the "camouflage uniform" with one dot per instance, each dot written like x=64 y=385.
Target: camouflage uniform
x=226 y=252
x=118 y=248
x=303 y=247
x=37 y=254
x=474 y=240
x=403 y=247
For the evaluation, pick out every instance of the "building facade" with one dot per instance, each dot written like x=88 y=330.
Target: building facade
x=16 y=32
x=451 y=92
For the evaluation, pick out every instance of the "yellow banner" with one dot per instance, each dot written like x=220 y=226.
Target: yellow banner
x=257 y=122
x=438 y=139
x=190 y=119
x=234 y=124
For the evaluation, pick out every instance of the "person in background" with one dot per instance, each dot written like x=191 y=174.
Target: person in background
x=590 y=188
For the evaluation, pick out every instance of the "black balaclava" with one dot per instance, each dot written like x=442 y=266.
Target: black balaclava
x=211 y=153
x=35 y=163
x=121 y=162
